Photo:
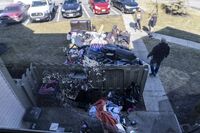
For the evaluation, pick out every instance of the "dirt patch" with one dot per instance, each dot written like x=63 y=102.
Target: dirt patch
x=179 y=74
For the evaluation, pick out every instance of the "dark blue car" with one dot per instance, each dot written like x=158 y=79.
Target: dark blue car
x=71 y=8
x=126 y=6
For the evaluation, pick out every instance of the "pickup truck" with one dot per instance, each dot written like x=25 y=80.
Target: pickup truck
x=41 y=10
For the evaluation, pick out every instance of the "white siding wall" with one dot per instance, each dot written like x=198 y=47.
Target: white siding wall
x=11 y=110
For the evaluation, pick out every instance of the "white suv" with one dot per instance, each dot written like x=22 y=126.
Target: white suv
x=41 y=10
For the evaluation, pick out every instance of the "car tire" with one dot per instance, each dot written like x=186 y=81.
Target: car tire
x=81 y=14
x=31 y=20
x=122 y=9
x=93 y=11
x=111 y=3
x=50 y=17
x=63 y=16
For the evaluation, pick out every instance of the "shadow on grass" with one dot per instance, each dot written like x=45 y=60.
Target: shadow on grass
x=27 y=47
x=180 y=34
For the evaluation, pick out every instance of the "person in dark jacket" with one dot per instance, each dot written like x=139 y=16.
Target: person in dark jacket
x=158 y=53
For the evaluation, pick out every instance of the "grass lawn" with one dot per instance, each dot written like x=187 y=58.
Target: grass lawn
x=179 y=74
x=187 y=27
x=64 y=26
x=43 y=42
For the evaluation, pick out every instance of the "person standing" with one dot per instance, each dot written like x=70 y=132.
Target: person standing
x=138 y=17
x=152 y=22
x=158 y=53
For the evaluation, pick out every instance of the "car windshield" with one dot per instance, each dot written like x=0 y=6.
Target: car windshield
x=70 y=1
x=39 y=3
x=99 y=1
x=130 y=1
x=12 y=9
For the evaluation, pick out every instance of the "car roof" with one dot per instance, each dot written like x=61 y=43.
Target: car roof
x=14 y=4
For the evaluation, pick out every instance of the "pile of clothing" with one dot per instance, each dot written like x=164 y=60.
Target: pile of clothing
x=108 y=113
x=109 y=110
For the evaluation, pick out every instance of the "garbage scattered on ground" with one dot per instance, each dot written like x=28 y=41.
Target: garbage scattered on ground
x=92 y=54
x=111 y=115
x=105 y=48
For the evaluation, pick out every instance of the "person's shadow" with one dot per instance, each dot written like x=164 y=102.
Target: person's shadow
x=145 y=28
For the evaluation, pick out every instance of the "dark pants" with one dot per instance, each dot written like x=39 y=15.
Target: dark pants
x=155 y=65
x=138 y=24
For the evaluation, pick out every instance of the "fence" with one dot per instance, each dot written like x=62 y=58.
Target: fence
x=116 y=77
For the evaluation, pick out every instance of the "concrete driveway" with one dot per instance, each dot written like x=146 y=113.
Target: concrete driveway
x=194 y=4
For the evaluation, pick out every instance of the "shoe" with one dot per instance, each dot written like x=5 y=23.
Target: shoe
x=152 y=75
x=150 y=36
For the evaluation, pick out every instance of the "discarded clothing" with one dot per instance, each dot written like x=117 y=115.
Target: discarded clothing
x=102 y=114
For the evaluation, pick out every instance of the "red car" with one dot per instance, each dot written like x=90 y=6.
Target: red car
x=16 y=12
x=100 y=6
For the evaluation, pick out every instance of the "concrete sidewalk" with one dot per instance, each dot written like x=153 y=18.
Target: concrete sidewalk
x=154 y=94
x=178 y=41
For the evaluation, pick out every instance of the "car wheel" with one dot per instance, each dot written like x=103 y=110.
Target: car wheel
x=63 y=16
x=93 y=11
x=31 y=20
x=50 y=17
x=111 y=3
x=81 y=13
x=122 y=9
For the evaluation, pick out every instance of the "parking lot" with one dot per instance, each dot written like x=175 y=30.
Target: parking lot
x=87 y=12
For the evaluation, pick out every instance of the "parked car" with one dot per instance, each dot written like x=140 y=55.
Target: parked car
x=126 y=6
x=71 y=8
x=16 y=12
x=41 y=10
x=100 y=6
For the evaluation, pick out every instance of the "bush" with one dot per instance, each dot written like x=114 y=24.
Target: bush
x=175 y=8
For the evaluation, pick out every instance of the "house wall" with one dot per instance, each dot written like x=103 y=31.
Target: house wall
x=11 y=110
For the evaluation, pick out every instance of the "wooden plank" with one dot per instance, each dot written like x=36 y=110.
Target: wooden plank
x=30 y=79
x=28 y=90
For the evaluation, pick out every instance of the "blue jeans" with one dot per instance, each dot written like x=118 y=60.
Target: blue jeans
x=154 y=67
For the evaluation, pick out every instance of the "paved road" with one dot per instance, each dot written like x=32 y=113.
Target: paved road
x=87 y=12
x=194 y=3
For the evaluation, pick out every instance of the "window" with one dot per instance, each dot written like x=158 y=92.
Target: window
x=70 y=1
x=12 y=9
x=99 y=1
x=39 y=3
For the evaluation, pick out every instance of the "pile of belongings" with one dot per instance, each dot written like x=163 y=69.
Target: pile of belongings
x=105 y=48
x=108 y=113
x=60 y=87
x=109 y=110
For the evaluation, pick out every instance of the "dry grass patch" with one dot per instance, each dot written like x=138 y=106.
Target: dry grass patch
x=43 y=42
x=186 y=27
